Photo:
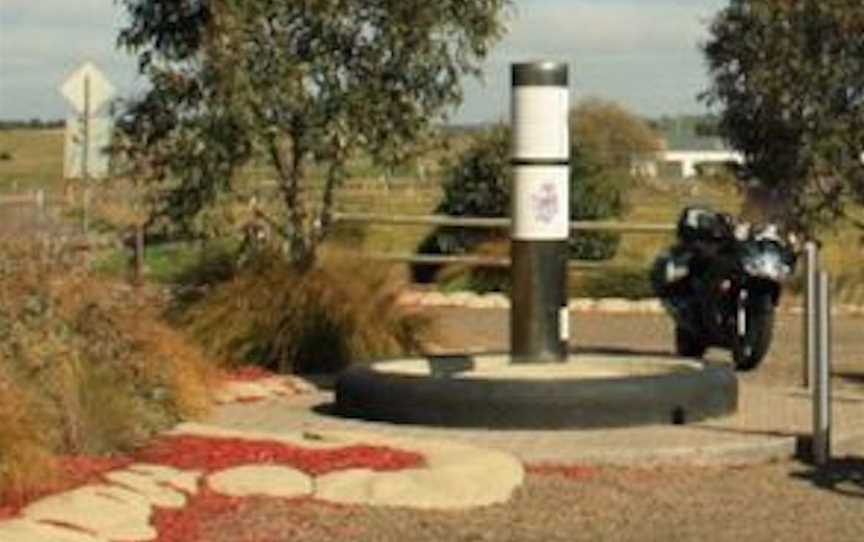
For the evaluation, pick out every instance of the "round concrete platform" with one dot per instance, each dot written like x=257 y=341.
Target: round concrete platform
x=587 y=391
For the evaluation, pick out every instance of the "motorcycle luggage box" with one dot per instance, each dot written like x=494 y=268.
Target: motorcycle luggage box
x=701 y=224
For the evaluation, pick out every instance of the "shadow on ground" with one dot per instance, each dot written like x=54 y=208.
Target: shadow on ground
x=850 y=377
x=844 y=476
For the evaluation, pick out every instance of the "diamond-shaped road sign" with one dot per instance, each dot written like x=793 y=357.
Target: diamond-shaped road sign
x=101 y=90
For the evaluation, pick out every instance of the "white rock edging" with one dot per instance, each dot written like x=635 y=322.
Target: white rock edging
x=601 y=305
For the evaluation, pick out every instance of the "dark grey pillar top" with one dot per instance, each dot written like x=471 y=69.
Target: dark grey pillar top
x=540 y=74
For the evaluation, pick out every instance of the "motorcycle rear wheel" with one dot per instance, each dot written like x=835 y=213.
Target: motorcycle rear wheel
x=749 y=350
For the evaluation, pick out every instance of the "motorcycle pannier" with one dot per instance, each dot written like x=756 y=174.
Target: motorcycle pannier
x=701 y=224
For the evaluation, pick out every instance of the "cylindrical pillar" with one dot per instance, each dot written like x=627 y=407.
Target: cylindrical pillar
x=822 y=374
x=811 y=271
x=539 y=321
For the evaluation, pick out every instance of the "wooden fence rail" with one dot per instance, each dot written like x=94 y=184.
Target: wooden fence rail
x=497 y=223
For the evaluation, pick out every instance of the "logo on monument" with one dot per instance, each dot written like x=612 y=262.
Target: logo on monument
x=546 y=203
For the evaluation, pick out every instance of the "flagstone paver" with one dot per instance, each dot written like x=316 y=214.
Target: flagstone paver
x=149 y=487
x=92 y=509
x=26 y=530
x=262 y=481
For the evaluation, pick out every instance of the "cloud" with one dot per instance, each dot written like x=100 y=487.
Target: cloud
x=592 y=27
x=641 y=52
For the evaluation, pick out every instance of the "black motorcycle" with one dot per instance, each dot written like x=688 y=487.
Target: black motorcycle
x=721 y=283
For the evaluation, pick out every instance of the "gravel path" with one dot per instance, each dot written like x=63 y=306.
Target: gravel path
x=779 y=501
x=765 y=503
x=487 y=330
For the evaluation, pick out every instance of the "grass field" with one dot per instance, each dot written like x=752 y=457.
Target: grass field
x=37 y=162
x=35 y=159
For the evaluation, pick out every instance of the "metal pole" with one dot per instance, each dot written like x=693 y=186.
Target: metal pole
x=809 y=353
x=822 y=375
x=85 y=157
x=539 y=321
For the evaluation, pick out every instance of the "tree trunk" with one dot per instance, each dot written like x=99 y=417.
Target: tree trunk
x=292 y=176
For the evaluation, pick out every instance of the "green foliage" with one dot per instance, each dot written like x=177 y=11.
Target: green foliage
x=188 y=264
x=789 y=77
x=303 y=85
x=313 y=320
x=605 y=138
x=618 y=283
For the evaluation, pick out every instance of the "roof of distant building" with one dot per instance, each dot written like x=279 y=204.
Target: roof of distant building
x=682 y=141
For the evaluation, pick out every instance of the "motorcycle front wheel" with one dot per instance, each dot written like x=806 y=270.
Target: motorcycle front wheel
x=750 y=349
x=689 y=345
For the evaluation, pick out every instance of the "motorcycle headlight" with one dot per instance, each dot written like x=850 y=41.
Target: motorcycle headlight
x=767 y=265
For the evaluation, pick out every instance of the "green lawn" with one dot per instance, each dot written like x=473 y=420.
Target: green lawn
x=37 y=161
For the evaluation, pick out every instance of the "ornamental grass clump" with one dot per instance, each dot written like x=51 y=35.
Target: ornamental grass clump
x=315 y=320
x=86 y=367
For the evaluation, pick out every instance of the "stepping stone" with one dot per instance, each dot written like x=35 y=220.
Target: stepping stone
x=91 y=509
x=24 y=530
x=186 y=481
x=263 y=481
x=455 y=477
x=149 y=488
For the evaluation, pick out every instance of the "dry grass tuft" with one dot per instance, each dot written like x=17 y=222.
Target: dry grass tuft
x=85 y=364
x=314 y=321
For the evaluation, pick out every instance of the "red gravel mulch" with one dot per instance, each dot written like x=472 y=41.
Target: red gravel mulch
x=209 y=455
x=212 y=454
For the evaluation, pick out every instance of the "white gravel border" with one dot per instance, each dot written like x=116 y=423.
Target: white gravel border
x=580 y=305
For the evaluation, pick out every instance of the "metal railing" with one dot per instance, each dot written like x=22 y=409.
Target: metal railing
x=496 y=223
x=486 y=223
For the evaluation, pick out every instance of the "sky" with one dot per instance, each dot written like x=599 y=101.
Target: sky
x=643 y=54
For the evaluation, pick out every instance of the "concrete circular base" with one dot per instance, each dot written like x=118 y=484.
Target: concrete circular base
x=587 y=391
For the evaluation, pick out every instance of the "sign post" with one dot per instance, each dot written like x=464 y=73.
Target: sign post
x=539 y=325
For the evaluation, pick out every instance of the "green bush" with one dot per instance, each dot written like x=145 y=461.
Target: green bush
x=478 y=184
x=618 y=283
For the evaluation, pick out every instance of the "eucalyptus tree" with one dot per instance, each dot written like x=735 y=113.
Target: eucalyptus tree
x=789 y=79
x=299 y=84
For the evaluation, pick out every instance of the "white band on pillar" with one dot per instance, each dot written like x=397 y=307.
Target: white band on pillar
x=541 y=202
x=540 y=123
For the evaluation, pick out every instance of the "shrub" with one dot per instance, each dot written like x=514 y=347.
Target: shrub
x=85 y=366
x=316 y=320
x=617 y=282
x=478 y=279
x=605 y=139
x=5 y=156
